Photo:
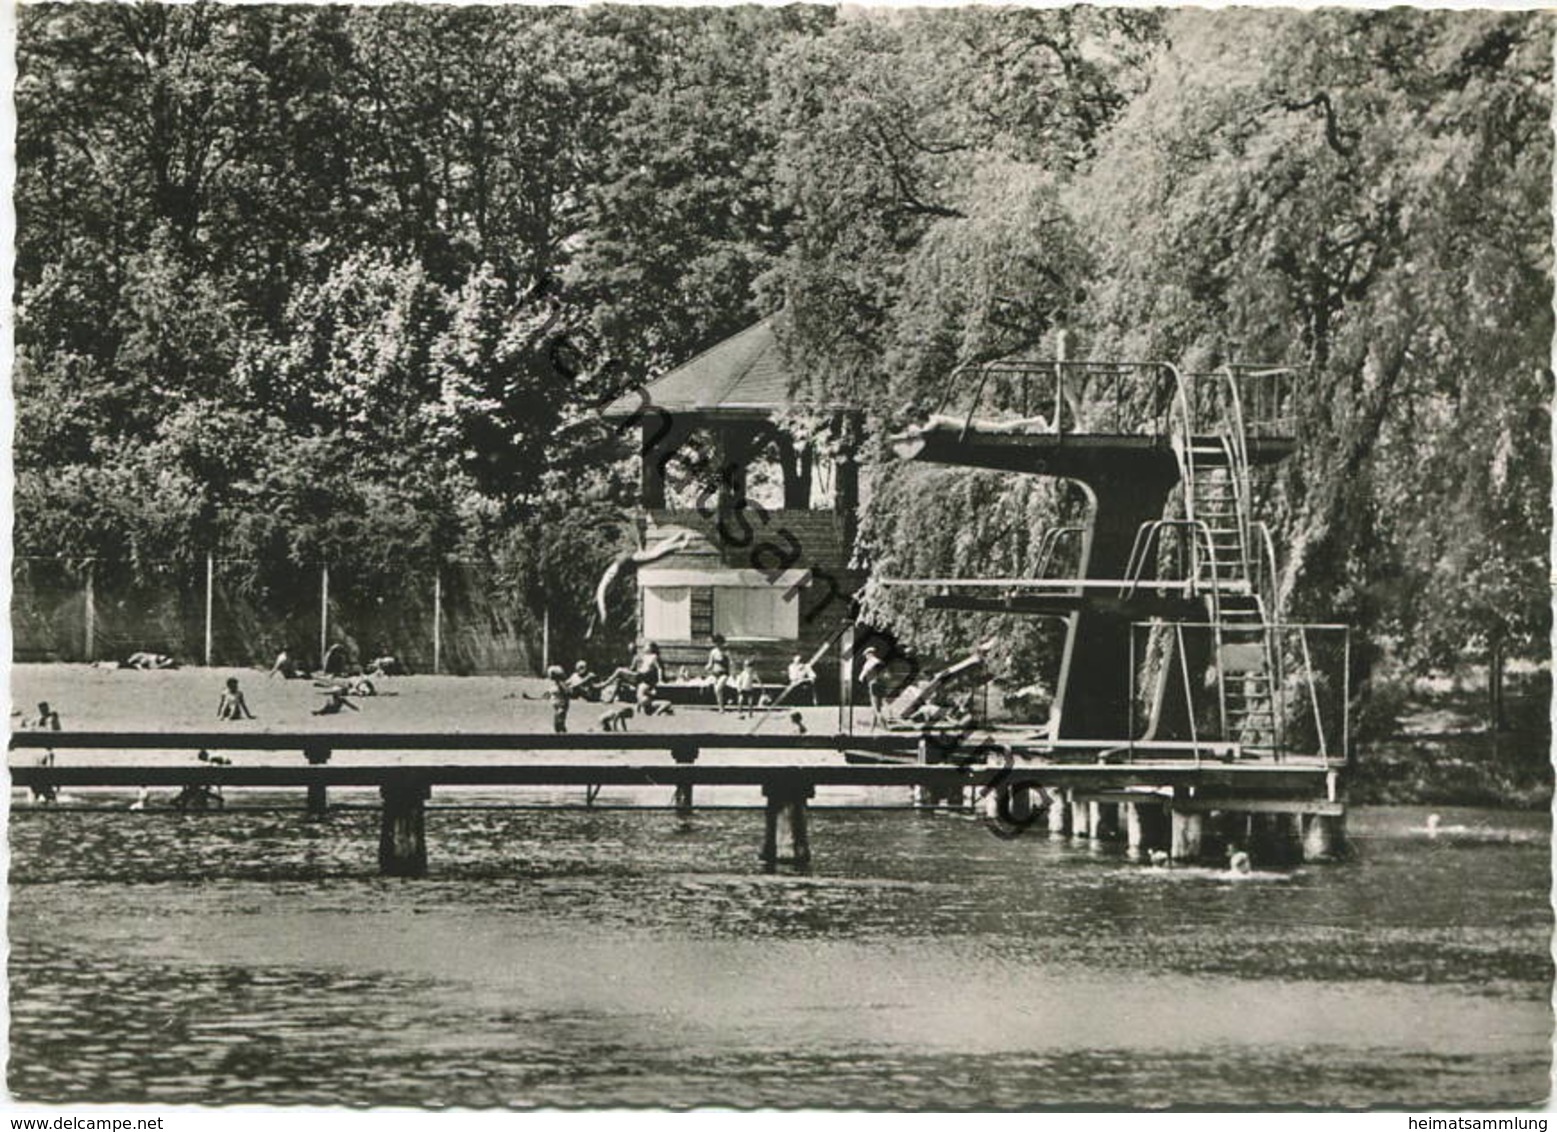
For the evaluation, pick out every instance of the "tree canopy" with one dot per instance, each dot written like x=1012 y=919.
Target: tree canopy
x=330 y=284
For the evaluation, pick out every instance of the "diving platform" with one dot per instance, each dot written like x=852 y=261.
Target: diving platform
x=1172 y=595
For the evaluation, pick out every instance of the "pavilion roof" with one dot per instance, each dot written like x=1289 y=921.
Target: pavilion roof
x=744 y=375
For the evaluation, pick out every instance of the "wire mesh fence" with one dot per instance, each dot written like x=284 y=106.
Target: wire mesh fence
x=455 y=619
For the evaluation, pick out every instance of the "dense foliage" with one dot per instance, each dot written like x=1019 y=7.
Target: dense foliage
x=342 y=285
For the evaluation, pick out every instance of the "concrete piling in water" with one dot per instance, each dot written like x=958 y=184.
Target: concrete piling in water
x=1059 y=814
x=1103 y=818
x=1080 y=818
x=1187 y=835
x=786 y=837
x=1324 y=836
x=1146 y=826
x=402 y=838
x=1276 y=839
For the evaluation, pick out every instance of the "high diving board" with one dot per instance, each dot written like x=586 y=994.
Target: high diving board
x=1058 y=584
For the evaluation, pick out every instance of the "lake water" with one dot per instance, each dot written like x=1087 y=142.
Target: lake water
x=632 y=958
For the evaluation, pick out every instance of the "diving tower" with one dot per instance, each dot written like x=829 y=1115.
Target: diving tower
x=1173 y=597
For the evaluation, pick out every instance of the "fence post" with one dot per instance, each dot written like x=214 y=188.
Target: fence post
x=545 y=637
x=210 y=581
x=437 y=621
x=324 y=610
x=91 y=613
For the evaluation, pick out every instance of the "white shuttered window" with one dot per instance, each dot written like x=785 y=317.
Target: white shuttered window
x=667 y=613
x=759 y=611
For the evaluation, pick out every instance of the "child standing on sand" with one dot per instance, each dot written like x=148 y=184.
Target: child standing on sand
x=747 y=686
x=559 y=694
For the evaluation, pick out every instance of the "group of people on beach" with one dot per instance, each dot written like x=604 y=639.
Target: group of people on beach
x=639 y=679
x=633 y=688
x=749 y=690
x=337 y=679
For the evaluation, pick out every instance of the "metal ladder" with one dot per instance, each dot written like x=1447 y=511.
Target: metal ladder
x=1215 y=468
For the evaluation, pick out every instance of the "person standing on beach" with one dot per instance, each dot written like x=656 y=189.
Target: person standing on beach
x=747 y=688
x=873 y=676
x=47 y=719
x=560 y=696
x=718 y=668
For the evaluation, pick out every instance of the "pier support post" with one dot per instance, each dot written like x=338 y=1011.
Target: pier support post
x=318 y=793
x=402 y=837
x=1146 y=826
x=1020 y=805
x=1080 y=819
x=683 y=756
x=1058 y=815
x=1324 y=836
x=1188 y=830
x=932 y=752
x=1276 y=838
x=785 y=833
x=1104 y=820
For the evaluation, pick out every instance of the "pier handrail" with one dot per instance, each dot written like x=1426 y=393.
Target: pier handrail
x=897 y=742
x=1082 y=775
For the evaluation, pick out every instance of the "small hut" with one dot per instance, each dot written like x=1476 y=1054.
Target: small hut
x=762 y=488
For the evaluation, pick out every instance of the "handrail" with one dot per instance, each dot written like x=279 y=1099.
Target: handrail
x=1140 y=552
x=1106 y=380
x=1275 y=659
x=1123 y=585
x=1046 y=546
x=1269 y=565
x=1144 y=537
x=1313 y=693
x=1240 y=459
x=1136 y=563
x=1189 y=695
x=978 y=394
x=1182 y=443
x=1277 y=632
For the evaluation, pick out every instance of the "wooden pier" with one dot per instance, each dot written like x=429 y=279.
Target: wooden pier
x=1160 y=796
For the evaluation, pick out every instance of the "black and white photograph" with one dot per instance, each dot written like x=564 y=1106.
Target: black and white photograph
x=786 y=557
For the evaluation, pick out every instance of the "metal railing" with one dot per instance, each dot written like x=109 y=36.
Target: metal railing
x=1321 y=707
x=1121 y=397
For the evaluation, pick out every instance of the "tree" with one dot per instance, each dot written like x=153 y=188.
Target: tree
x=686 y=216
x=1363 y=194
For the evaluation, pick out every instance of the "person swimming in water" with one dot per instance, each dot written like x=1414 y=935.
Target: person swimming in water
x=1238 y=860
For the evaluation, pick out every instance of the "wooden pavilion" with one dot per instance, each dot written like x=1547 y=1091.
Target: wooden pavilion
x=765 y=507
